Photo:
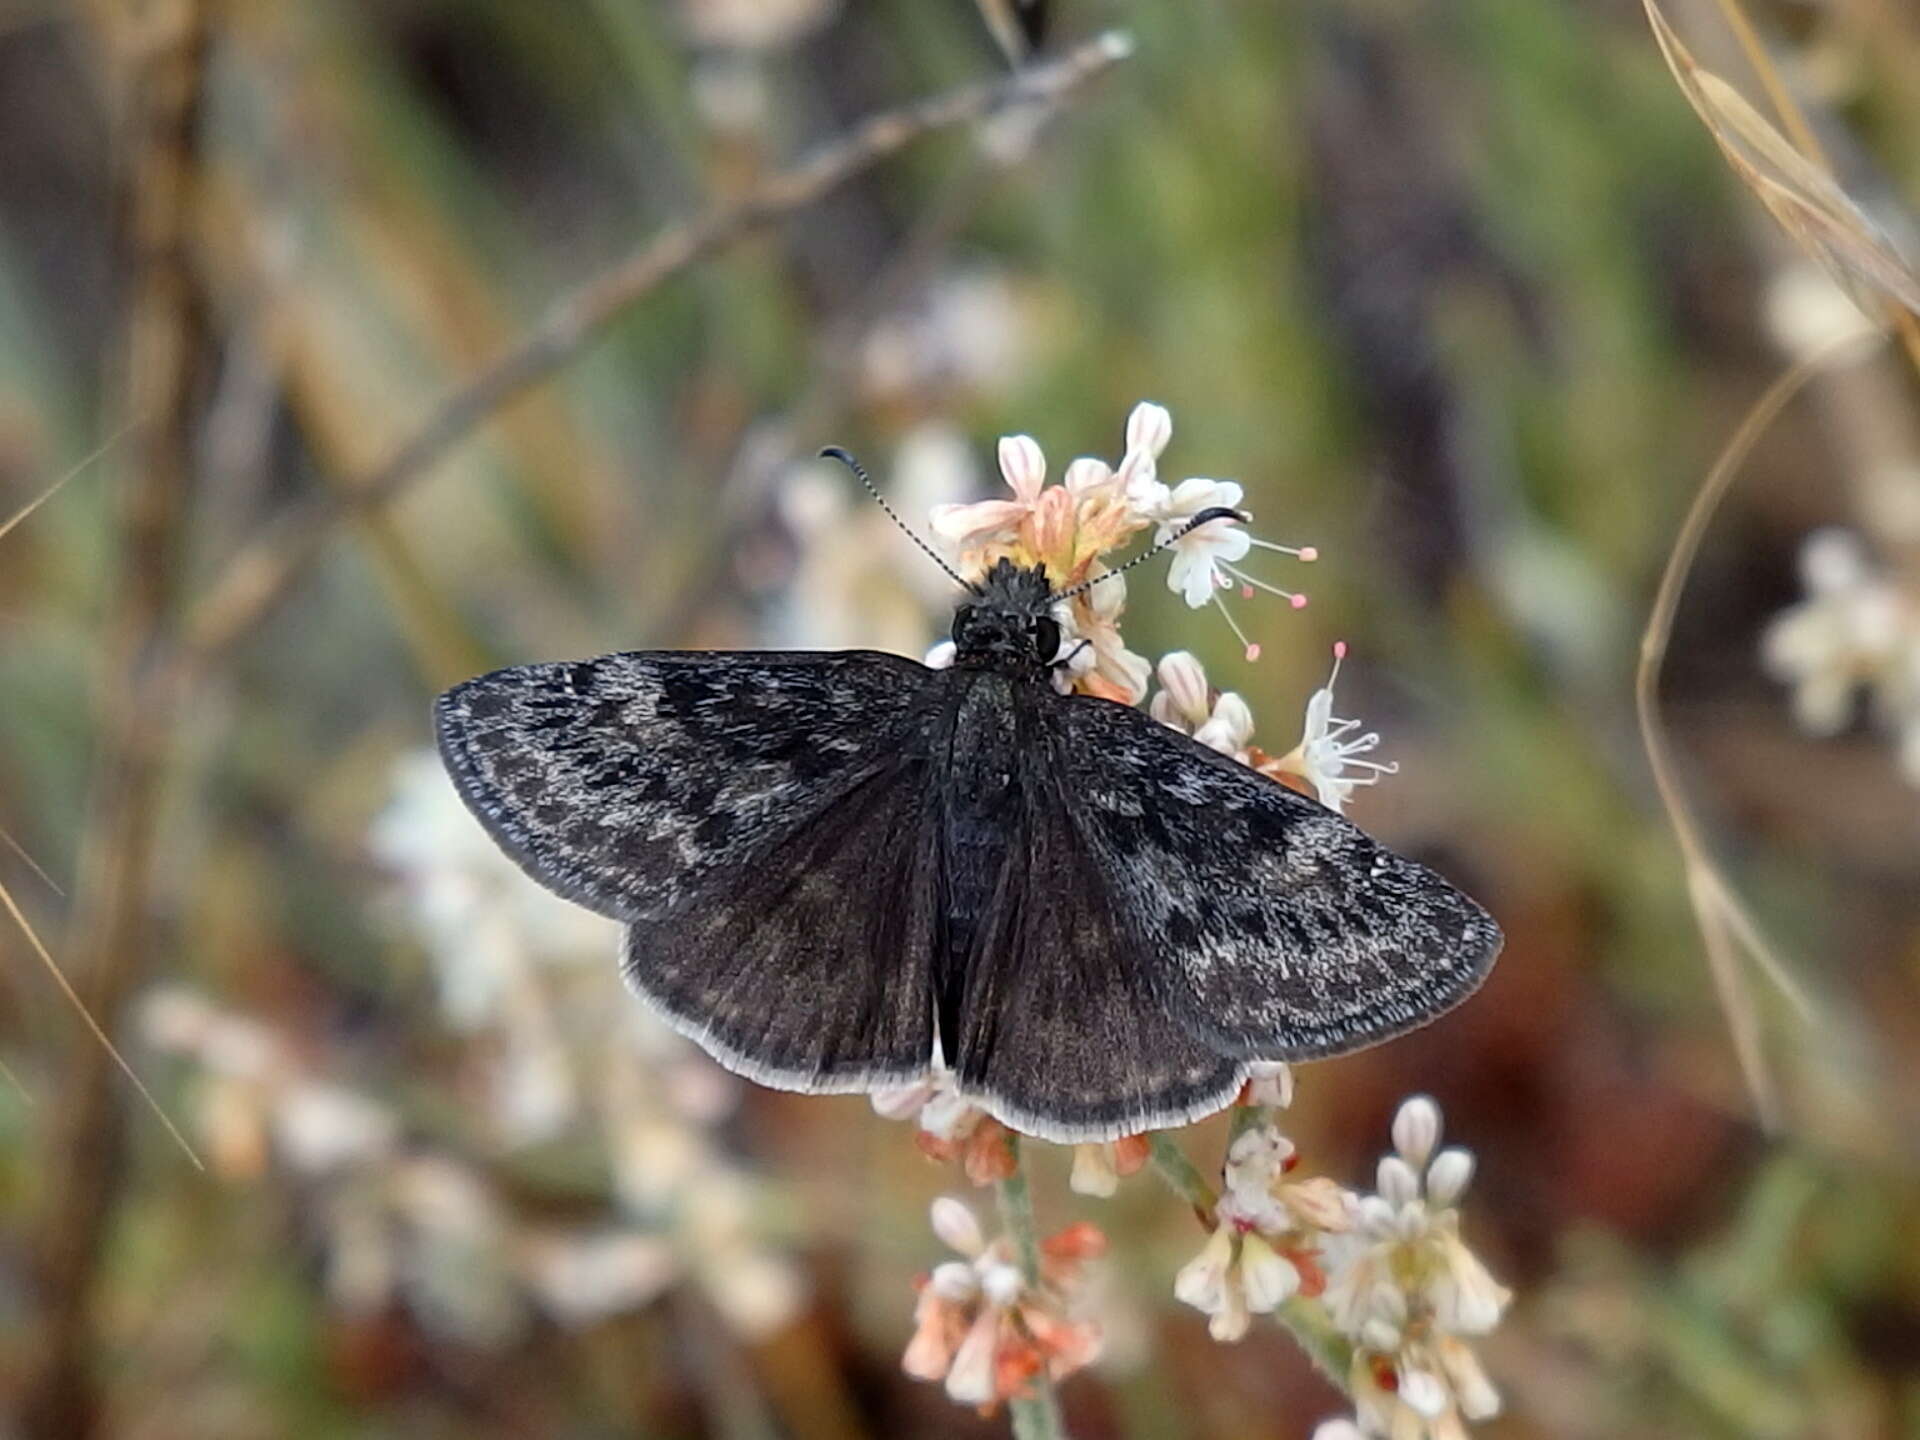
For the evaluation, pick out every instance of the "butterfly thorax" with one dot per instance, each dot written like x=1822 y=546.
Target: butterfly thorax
x=1008 y=626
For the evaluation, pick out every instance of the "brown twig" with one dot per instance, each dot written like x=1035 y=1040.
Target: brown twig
x=167 y=349
x=265 y=571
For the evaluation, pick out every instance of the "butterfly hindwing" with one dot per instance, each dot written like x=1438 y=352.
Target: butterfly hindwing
x=1280 y=930
x=811 y=969
x=625 y=782
x=1066 y=1029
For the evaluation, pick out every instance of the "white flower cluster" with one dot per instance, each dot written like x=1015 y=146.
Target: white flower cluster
x=982 y=1329
x=1409 y=1294
x=399 y=1222
x=1856 y=630
x=556 y=1047
x=1388 y=1272
x=1072 y=527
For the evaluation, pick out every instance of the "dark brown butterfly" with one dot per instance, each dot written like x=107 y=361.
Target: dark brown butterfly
x=836 y=869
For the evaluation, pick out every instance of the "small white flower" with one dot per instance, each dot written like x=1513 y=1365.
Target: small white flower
x=1202 y=1281
x=1201 y=555
x=1186 y=703
x=1448 y=1176
x=1093 y=1172
x=1184 y=700
x=1103 y=652
x=970 y=1381
x=1416 y=1130
x=1270 y=1279
x=1149 y=429
x=1330 y=757
x=1024 y=467
x=1230 y=728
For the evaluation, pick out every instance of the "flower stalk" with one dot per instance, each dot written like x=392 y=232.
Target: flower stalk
x=1035 y=1414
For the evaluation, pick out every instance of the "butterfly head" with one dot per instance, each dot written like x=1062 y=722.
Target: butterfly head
x=1009 y=625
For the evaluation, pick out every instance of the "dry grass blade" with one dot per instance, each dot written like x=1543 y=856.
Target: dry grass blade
x=1799 y=193
x=13 y=1080
x=1726 y=925
x=32 y=864
x=18 y=516
x=79 y=1005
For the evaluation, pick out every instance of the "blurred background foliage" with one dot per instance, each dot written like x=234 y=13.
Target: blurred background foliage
x=1459 y=291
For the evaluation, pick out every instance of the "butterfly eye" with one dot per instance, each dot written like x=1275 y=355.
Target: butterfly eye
x=1046 y=637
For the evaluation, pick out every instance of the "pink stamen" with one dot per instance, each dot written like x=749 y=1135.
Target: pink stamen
x=1299 y=602
x=1309 y=553
x=1246 y=592
x=1253 y=653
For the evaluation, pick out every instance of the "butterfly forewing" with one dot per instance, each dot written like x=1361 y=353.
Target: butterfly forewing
x=1280 y=930
x=757 y=819
x=628 y=782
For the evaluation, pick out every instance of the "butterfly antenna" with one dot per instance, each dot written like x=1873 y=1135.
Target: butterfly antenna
x=834 y=452
x=1212 y=512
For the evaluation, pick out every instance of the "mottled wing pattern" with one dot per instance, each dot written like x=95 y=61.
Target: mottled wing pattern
x=812 y=970
x=1067 y=1027
x=1281 y=930
x=756 y=819
x=625 y=782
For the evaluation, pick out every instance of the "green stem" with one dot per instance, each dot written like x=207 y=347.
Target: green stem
x=1330 y=1351
x=1307 y=1320
x=1170 y=1163
x=1245 y=1118
x=1036 y=1414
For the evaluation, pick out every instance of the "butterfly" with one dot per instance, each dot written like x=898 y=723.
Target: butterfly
x=839 y=869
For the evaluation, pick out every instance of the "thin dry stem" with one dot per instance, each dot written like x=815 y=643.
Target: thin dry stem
x=168 y=347
x=8 y=904
x=263 y=573
x=7 y=526
x=1717 y=908
x=32 y=864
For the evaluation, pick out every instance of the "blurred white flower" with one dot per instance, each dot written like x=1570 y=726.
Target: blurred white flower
x=320 y=1128
x=1098 y=1168
x=966 y=334
x=982 y=1329
x=1808 y=312
x=1849 y=632
x=482 y=920
x=585 y=1278
x=948 y=1125
x=753 y=24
